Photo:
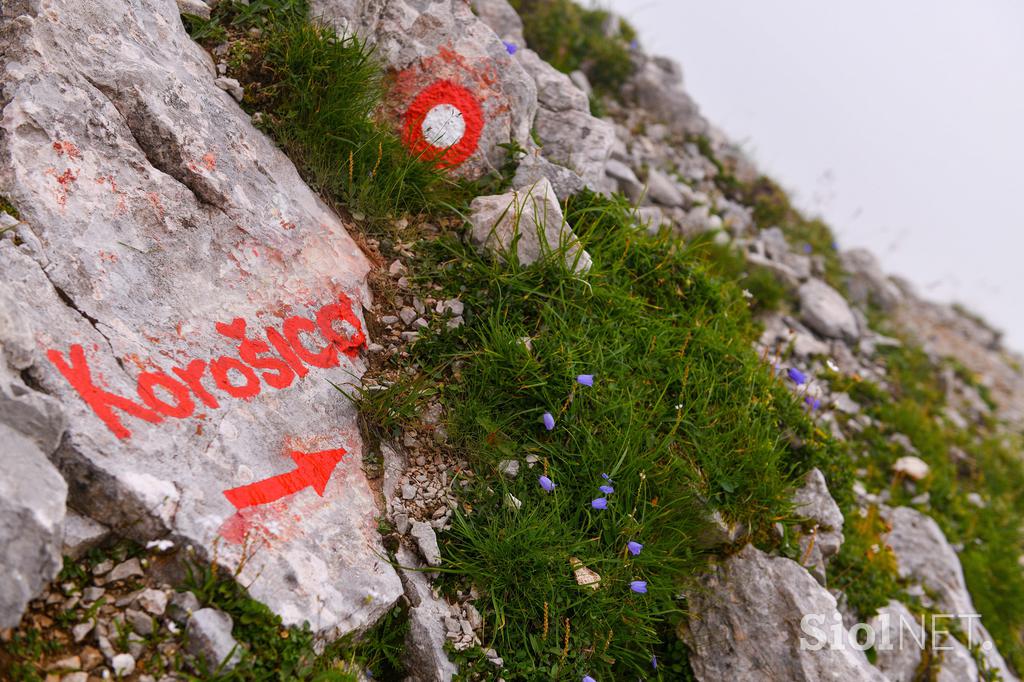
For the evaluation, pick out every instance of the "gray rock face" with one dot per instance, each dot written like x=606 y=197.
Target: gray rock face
x=442 y=54
x=662 y=190
x=534 y=167
x=82 y=534
x=824 y=310
x=746 y=625
x=626 y=179
x=825 y=538
x=555 y=90
x=569 y=135
x=578 y=141
x=34 y=414
x=426 y=540
x=657 y=86
x=32 y=496
x=957 y=663
x=902 y=635
x=502 y=19
x=530 y=220
x=924 y=556
x=210 y=639
x=425 y=655
x=867 y=281
x=172 y=230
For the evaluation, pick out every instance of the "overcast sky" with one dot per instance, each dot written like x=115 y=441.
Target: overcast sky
x=899 y=121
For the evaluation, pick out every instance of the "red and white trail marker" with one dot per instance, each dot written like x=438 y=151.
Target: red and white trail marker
x=443 y=124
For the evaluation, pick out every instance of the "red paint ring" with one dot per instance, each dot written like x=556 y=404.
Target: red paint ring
x=443 y=92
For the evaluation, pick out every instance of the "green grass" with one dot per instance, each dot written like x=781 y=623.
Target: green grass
x=683 y=417
x=725 y=262
x=571 y=37
x=318 y=95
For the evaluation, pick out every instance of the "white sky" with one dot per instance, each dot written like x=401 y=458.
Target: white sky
x=899 y=121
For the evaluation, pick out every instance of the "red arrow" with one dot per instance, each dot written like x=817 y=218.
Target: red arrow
x=312 y=469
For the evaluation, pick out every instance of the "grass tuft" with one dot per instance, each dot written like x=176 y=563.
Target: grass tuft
x=683 y=417
x=318 y=96
x=571 y=37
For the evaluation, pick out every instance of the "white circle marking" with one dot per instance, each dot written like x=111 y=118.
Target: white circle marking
x=443 y=126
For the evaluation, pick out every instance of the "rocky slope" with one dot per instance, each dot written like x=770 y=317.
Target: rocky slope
x=181 y=307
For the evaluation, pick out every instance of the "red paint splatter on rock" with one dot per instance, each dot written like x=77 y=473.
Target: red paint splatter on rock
x=154 y=201
x=63 y=147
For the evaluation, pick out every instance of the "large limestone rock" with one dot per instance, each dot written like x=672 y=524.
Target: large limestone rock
x=187 y=300
x=924 y=556
x=530 y=222
x=32 y=491
x=457 y=90
x=32 y=496
x=813 y=502
x=569 y=135
x=824 y=310
x=745 y=625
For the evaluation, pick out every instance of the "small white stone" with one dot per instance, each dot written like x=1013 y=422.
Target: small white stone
x=153 y=601
x=509 y=467
x=123 y=664
x=912 y=467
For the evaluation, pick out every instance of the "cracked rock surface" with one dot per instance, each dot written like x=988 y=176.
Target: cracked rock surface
x=165 y=230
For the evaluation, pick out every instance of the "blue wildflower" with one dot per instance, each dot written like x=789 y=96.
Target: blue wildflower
x=549 y=421
x=606 y=477
x=798 y=377
x=813 y=402
x=634 y=547
x=511 y=48
x=654 y=662
x=546 y=483
x=588 y=678
x=807 y=248
x=606 y=489
x=639 y=586
x=599 y=503
x=585 y=379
